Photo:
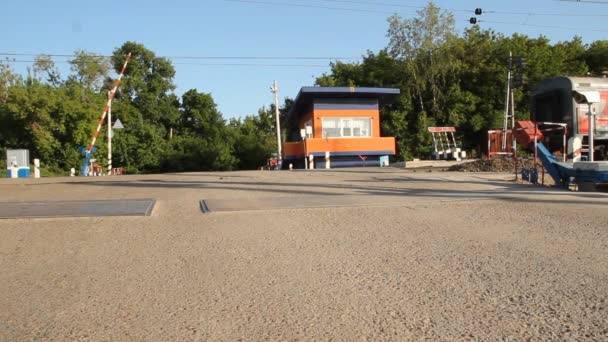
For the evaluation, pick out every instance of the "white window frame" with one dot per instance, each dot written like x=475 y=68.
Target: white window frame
x=342 y=123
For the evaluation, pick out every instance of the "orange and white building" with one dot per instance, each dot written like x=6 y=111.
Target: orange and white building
x=339 y=126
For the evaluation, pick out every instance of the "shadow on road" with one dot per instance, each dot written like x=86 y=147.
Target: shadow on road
x=377 y=187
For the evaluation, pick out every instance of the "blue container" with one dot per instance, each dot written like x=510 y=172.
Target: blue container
x=534 y=176
x=525 y=174
x=22 y=172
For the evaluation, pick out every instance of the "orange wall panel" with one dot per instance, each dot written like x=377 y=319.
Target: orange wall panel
x=293 y=148
x=346 y=113
x=351 y=144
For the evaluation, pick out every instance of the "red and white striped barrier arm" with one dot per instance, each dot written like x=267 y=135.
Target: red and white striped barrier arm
x=110 y=98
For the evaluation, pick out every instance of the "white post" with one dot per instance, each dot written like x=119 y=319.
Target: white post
x=564 y=144
x=14 y=170
x=303 y=135
x=110 y=139
x=72 y=172
x=327 y=161
x=591 y=128
x=513 y=142
x=311 y=162
x=36 y=168
x=275 y=90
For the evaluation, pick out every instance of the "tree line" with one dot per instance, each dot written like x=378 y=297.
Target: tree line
x=451 y=79
x=52 y=116
x=445 y=78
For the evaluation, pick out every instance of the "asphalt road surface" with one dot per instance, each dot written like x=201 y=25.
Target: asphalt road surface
x=344 y=255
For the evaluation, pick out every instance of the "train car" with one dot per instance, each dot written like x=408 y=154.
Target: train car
x=552 y=101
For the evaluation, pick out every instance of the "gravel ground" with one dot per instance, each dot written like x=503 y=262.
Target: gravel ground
x=494 y=165
x=439 y=256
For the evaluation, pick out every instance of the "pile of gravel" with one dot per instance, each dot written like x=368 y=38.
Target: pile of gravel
x=493 y=165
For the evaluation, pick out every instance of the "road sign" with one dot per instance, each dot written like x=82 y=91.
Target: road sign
x=118 y=124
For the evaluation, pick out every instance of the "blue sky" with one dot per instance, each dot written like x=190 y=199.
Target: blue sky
x=239 y=29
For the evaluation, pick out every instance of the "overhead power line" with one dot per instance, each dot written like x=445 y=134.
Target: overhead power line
x=544 y=26
x=357 y=1
x=480 y=11
x=258 y=64
x=313 y=6
x=587 y=1
x=203 y=64
x=533 y=14
x=385 y=4
x=261 y=57
x=471 y=10
x=197 y=57
x=392 y=5
x=374 y=3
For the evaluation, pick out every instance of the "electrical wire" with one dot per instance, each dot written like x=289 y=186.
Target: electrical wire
x=359 y=2
x=468 y=11
x=544 y=26
x=373 y=3
x=256 y=64
x=497 y=12
x=198 y=57
x=330 y=58
x=203 y=64
x=587 y=1
x=393 y=5
x=547 y=14
x=313 y=6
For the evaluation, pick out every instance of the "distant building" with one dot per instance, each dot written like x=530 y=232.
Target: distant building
x=343 y=122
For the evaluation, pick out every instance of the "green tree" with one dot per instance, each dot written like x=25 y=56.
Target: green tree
x=253 y=146
x=422 y=44
x=44 y=64
x=8 y=79
x=204 y=141
x=50 y=122
x=148 y=84
x=89 y=70
x=596 y=57
x=146 y=105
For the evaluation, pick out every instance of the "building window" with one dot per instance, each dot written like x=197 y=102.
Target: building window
x=346 y=127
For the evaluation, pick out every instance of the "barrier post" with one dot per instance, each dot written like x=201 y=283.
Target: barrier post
x=36 y=168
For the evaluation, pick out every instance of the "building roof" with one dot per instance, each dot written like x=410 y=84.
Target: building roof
x=304 y=100
x=570 y=83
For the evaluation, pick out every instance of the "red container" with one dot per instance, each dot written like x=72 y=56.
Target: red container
x=493 y=147
x=524 y=133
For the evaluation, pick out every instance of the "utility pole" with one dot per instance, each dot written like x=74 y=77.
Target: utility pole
x=275 y=91
x=109 y=138
x=508 y=108
x=513 y=142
